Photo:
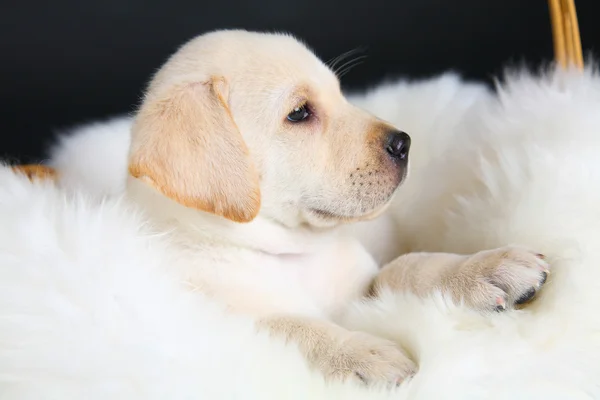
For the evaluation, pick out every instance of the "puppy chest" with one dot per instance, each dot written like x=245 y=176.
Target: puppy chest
x=310 y=283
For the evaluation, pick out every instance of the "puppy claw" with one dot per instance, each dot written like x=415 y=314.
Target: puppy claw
x=402 y=379
x=361 y=378
x=500 y=305
x=544 y=278
x=526 y=297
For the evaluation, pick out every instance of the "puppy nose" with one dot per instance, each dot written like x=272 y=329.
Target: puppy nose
x=398 y=144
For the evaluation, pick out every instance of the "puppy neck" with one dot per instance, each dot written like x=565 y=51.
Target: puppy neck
x=197 y=227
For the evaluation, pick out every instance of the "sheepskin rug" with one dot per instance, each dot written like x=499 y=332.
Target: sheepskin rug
x=89 y=308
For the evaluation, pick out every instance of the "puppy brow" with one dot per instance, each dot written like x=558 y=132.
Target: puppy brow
x=297 y=101
x=301 y=89
x=292 y=97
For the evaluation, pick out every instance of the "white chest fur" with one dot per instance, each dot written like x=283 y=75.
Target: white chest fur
x=262 y=267
x=249 y=281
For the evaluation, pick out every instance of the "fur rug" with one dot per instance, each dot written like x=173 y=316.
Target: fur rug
x=90 y=310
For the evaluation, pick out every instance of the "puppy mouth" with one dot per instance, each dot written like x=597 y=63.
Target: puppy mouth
x=332 y=216
x=328 y=216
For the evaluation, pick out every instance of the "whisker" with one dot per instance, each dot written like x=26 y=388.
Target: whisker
x=352 y=60
x=334 y=62
x=348 y=66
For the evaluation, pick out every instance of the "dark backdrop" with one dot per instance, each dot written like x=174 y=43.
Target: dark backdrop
x=65 y=62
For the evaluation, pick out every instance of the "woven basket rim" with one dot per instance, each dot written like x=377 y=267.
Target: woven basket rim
x=565 y=33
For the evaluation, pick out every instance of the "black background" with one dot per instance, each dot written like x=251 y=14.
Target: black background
x=68 y=61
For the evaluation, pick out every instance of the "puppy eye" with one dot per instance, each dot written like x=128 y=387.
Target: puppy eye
x=299 y=114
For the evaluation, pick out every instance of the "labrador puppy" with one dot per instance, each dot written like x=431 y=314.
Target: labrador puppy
x=246 y=151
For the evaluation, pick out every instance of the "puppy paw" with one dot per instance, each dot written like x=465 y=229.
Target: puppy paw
x=498 y=279
x=370 y=360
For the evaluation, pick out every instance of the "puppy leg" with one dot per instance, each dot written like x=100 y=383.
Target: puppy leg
x=342 y=354
x=489 y=280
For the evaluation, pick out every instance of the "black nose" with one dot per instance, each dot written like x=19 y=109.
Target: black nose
x=398 y=144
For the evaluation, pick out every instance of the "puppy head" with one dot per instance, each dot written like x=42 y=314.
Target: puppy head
x=237 y=123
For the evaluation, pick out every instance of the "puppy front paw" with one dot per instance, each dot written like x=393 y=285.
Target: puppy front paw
x=368 y=359
x=498 y=279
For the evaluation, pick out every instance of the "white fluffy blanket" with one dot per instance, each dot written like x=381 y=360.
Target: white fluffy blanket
x=90 y=310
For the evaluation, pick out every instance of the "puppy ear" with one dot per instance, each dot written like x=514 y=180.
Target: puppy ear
x=187 y=146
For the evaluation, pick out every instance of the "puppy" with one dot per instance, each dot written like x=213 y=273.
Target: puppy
x=247 y=152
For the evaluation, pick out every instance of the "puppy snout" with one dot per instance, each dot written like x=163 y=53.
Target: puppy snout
x=398 y=145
